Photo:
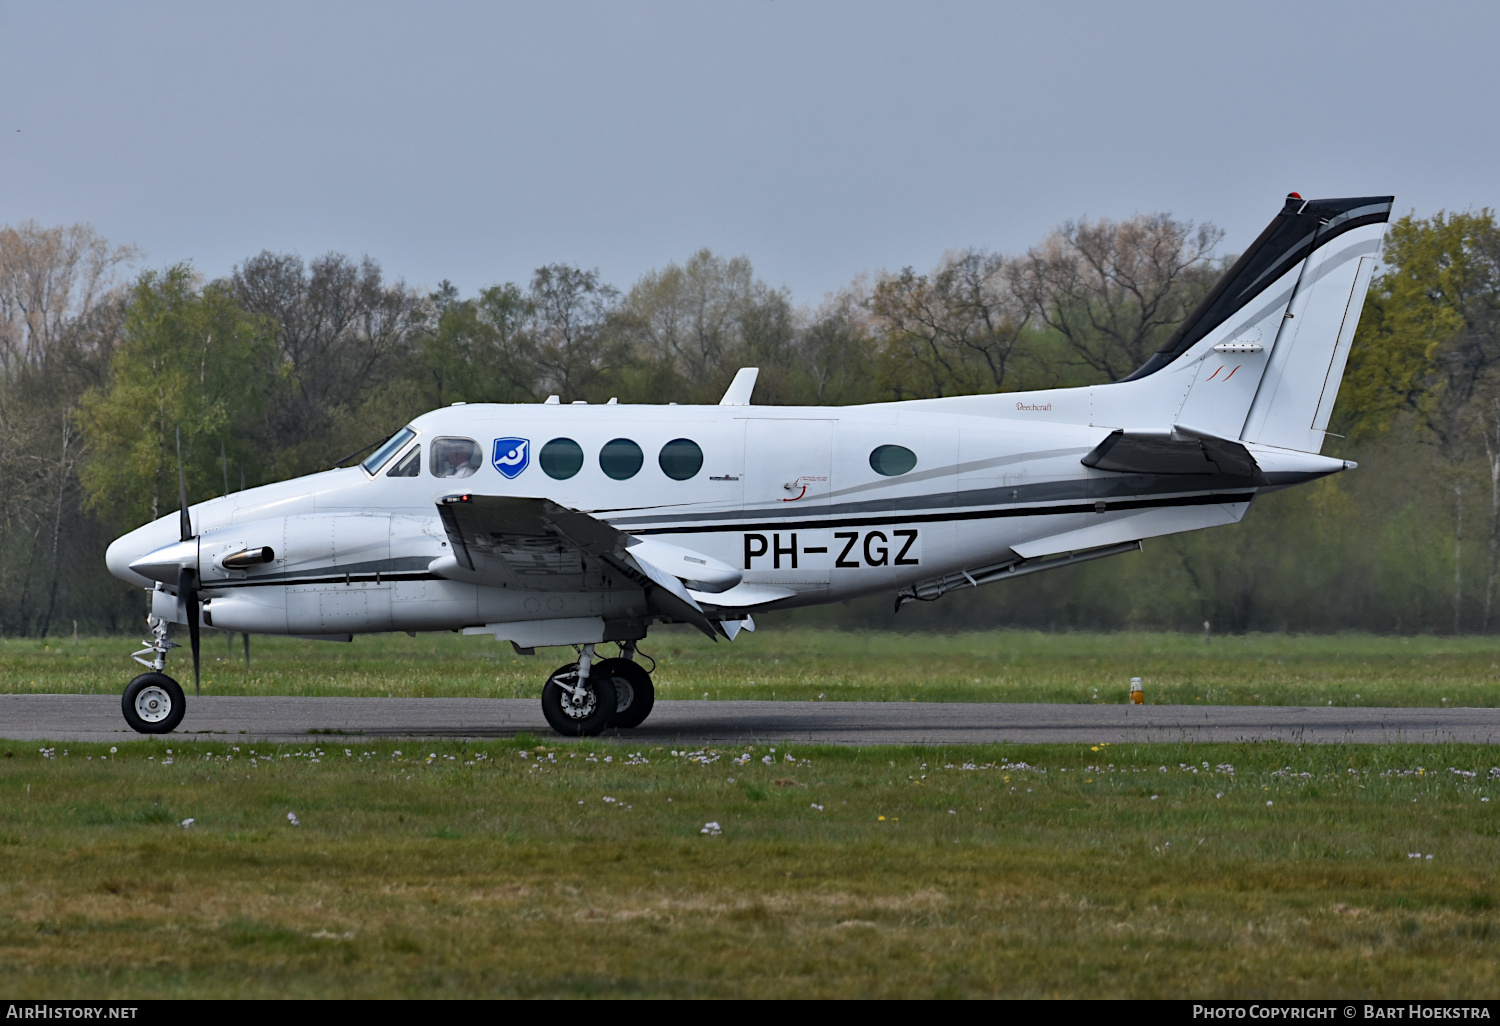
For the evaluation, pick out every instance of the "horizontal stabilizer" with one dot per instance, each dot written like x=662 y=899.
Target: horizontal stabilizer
x=1172 y=453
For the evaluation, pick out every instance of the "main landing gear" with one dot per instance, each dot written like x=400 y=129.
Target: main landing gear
x=153 y=703
x=581 y=699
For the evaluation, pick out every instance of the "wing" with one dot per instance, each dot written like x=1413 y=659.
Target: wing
x=536 y=544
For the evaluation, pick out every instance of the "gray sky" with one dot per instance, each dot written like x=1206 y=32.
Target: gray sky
x=475 y=142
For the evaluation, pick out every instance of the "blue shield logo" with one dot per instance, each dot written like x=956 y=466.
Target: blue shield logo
x=512 y=455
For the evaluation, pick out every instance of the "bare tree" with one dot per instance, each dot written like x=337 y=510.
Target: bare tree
x=340 y=330
x=835 y=347
x=1114 y=289
x=50 y=279
x=965 y=322
x=570 y=307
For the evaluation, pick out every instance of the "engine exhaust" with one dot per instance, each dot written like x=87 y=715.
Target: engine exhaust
x=249 y=557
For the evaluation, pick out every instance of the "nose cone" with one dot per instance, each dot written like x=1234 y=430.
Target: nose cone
x=125 y=552
x=166 y=563
x=118 y=557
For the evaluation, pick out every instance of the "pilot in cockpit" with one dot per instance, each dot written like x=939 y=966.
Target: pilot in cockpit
x=454 y=457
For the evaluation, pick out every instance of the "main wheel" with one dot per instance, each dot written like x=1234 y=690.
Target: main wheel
x=575 y=715
x=634 y=694
x=153 y=704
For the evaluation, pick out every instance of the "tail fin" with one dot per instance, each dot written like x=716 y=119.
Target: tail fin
x=1266 y=348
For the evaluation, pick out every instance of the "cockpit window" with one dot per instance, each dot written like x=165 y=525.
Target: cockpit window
x=455 y=457
x=409 y=465
x=389 y=449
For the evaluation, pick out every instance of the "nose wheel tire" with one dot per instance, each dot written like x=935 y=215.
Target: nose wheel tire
x=578 y=712
x=153 y=704
x=634 y=693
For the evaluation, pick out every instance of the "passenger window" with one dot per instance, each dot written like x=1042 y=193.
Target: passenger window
x=409 y=465
x=680 y=459
x=892 y=460
x=621 y=458
x=455 y=457
x=562 y=458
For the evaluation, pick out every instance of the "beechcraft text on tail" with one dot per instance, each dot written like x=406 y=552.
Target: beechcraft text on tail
x=570 y=524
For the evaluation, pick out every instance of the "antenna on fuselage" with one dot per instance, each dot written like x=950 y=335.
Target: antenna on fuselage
x=738 y=392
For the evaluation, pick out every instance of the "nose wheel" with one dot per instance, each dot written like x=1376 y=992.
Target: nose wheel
x=153 y=704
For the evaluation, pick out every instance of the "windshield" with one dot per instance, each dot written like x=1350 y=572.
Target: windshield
x=388 y=450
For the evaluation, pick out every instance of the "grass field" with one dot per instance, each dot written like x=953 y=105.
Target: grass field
x=511 y=868
x=999 y=666
x=538 y=868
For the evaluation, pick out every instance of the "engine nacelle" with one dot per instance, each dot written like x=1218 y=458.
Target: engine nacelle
x=257 y=611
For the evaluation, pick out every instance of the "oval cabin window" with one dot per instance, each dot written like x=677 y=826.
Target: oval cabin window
x=561 y=458
x=892 y=460
x=680 y=459
x=621 y=458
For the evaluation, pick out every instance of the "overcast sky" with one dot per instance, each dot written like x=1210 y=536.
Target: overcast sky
x=475 y=142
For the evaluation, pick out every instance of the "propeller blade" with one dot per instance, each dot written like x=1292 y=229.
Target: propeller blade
x=247 y=651
x=187 y=588
x=184 y=520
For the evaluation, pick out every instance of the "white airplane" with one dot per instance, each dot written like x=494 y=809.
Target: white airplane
x=570 y=524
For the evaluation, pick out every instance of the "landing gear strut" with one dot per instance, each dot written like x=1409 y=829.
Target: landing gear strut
x=581 y=699
x=153 y=703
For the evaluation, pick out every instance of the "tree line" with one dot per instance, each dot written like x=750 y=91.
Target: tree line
x=289 y=366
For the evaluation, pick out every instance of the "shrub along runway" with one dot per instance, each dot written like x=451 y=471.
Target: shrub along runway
x=74 y=718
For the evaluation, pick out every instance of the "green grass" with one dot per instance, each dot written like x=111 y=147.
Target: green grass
x=472 y=871
x=800 y=664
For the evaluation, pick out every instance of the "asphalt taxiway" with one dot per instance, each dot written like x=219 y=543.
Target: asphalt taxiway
x=80 y=718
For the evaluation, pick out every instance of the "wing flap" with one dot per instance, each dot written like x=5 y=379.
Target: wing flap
x=538 y=544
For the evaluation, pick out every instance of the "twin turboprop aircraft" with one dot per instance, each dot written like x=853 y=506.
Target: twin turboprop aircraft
x=553 y=524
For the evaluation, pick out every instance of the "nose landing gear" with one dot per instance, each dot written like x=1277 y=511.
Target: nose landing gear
x=153 y=703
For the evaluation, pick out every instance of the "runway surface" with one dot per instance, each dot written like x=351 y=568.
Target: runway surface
x=97 y=718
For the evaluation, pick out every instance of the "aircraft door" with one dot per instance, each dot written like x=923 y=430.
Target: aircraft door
x=788 y=476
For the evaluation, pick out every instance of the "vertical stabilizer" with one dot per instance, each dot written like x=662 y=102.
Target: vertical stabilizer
x=1301 y=383
x=1261 y=357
